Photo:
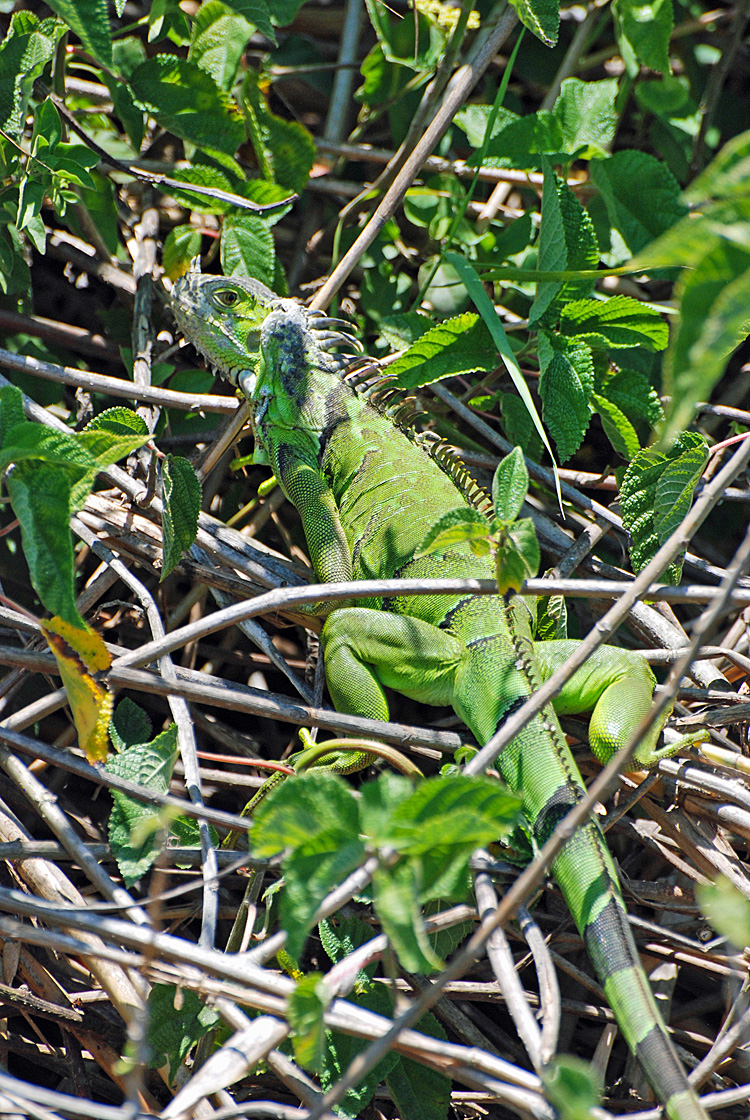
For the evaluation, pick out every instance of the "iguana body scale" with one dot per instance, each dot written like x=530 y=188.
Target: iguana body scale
x=367 y=494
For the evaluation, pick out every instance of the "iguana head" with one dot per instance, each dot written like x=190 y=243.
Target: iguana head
x=222 y=318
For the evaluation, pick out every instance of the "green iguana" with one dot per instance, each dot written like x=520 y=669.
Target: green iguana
x=367 y=495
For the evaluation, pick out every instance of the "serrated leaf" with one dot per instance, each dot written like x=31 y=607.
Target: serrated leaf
x=187 y=102
x=567 y=242
x=80 y=652
x=458 y=346
x=247 y=248
x=11 y=411
x=615 y=323
x=177 y=1021
x=587 y=117
x=130 y=725
x=396 y=893
x=285 y=149
x=219 y=36
x=641 y=195
x=306 y=1007
x=551 y=618
x=542 y=17
x=714 y=319
x=264 y=15
x=643 y=29
x=633 y=394
x=620 y=431
x=565 y=386
x=342 y=1049
x=456 y=526
x=135 y=828
x=726 y=176
x=120 y=421
x=24 y=53
x=420 y=1093
x=400 y=331
x=89 y=20
x=656 y=494
x=510 y=486
x=181 y=494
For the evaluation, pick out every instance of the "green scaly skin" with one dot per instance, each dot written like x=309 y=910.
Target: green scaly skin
x=367 y=494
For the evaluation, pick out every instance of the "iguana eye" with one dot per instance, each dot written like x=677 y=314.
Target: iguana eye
x=226 y=298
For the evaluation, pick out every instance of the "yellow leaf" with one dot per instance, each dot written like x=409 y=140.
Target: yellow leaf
x=79 y=654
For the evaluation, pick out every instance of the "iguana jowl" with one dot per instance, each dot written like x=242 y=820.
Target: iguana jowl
x=367 y=494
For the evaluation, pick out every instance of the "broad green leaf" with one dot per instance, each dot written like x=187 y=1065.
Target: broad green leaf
x=573 y=1088
x=25 y=51
x=454 y=527
x=633 y=394
x=177 y=1021
x=306 y=1006
x=566 y=242
x=517 y=557
x=551 y=618
x=218 y=39
x=727 y=176
x=401 y=331
x=519 y=427
x=40 y=496
x=11 y=411
x=247 y=248
x=89 y=20
x=182 y=244
x=187 y=102
x=643 y=29
x=585 y=112
x=542 y=17
x=342 y=1049
x=204 y=175
x=130 y=725
x=181 y=494
x=614 y=323
x=510 y=485
x=263 y=14
x=458 y=346
x=396 y=903
x=656 y=494
x=641 y=196
x=565 y=386
x=420 y=1093
x=285 y=150
x=105 y=446
x=135 y=829
x=714 y=319
x=119 y=421
x=620 y=431
x=417 y=42
x=727 y=910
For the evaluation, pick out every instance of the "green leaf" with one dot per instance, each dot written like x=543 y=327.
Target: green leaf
x=40 y=495
x=285 y=149
x=314 y=816
x=517 y=557
x=643 y=29
x=11 y=411
x=182 y=244
x=420 y=1093
x=129 y=725
x=656 y=494
x=306 y=1007
x=586 y=114
x=633 y=394
x=519 y=427
x=641 y=196
x=573 y=1088
x=181 y=495
x=727 y=176
x=396 y=892
x=615 y=323
x=120 y=421
x=400 y=331
x=458 y=346
x=418 y=43
x=187 y=102
x=551 y=618
x=24 y=53
x=567 y=242
x=89 y=20
x=247 y=248
x=454 y=527
x=135 y=829
x=219 y=37
x=510 y=486
x=177 y=1021
x=620 y=431
x=565 y=386
x=726 y=909
x=714 y=319
x=342 y=1049
x=542 y=17
x=263 y=15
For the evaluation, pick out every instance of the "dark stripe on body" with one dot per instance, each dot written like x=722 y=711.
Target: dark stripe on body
x=607 y=940
x=655 y=1052
x=557 y=807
